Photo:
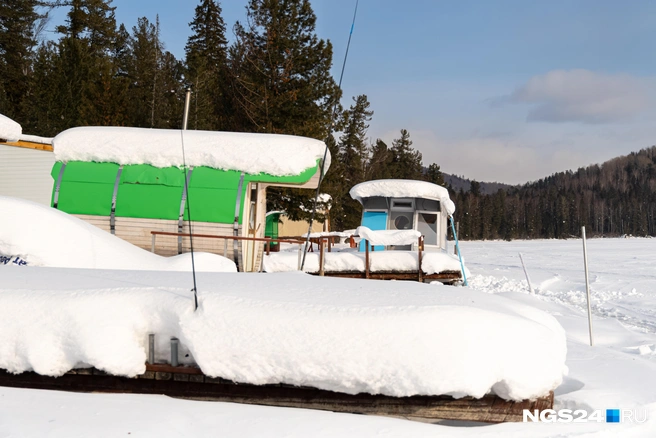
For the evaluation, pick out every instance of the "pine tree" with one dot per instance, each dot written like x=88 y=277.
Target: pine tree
x=84 y=67
x=146 y=51
x=17 y=39
x=280 y=71
x=43 y=117
x=434 y=175
x=353 y=155
x=206 y=60
x=334 y=185
x=380 y=161
x=280 y=80
x=353 y=141
x=406 y=162
x=156 y=96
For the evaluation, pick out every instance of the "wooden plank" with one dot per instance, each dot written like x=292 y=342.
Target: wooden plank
x=445 y=276
x=183 y=382
x=29 y=145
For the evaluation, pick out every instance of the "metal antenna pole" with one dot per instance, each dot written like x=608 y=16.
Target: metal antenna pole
x=185 y=119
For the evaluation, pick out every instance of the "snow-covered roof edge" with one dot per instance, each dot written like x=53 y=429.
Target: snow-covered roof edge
x=273 y=154
x=36 y=139
x=9 y=129
x=403 y=188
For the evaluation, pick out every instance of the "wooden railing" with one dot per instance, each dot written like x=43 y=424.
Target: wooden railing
x=367 y=269
x=323 y=242
x=267 y=240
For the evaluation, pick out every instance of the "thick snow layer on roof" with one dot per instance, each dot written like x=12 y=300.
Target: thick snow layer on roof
x=403 y=188
x=36 y=139
x=9 y=130
x=388 y=237
x=44 y=236
x=337 y=334
x=275 y=154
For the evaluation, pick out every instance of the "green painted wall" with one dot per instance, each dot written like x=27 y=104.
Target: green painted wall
x=145 y=191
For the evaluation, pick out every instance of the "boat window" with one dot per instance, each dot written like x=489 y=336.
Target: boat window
x=375 y=203
x=403 y=204
x=427 y=204
x=401 y=220
x=427 y=226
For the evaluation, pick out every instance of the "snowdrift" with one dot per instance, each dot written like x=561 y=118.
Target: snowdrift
x=9 y=129
x=336 y=334
x=43 y=236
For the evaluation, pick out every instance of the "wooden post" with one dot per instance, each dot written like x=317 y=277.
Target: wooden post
x=321 y=256
x=420 y=247
x=152 y=246
x=268 y=246
x=366 y=258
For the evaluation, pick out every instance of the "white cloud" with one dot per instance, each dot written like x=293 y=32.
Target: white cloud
x=527 y=156
x=581 y=96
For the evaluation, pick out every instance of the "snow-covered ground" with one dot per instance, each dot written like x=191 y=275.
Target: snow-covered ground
x=618 y=372
x=35 y=235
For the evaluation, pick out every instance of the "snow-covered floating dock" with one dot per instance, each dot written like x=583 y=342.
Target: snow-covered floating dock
x=328 y=333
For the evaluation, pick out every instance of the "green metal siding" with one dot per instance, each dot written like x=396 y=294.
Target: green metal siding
x=145 y=191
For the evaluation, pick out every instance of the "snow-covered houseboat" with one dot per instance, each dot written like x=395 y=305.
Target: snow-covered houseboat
x=404 y=223
x=131 y=182
x=396 y=204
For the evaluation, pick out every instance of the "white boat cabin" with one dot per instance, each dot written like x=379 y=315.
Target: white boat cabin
x=394 y=204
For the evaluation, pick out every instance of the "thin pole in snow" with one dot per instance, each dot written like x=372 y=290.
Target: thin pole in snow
x=587 y=282
x=528 y=279
x=462 y=265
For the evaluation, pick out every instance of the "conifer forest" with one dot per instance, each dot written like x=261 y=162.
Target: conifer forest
x=274 y=76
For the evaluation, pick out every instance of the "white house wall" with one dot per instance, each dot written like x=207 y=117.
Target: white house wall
x=25 y=173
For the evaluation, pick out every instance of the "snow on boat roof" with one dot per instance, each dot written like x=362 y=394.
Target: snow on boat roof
x=274 y=154
x=403 y=188
x=9 y=130
x=36 y=139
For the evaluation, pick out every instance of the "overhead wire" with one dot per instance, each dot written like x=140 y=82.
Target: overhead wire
x=330 y=132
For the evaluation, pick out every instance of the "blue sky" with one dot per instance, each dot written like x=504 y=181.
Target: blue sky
x=507 y=91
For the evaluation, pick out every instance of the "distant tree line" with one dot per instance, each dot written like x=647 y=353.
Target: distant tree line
x=615 y=198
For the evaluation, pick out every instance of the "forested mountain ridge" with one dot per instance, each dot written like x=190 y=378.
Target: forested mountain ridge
x=461 y=182
x=615 y=198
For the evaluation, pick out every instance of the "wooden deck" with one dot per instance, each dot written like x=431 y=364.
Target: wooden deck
x=189 y=382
